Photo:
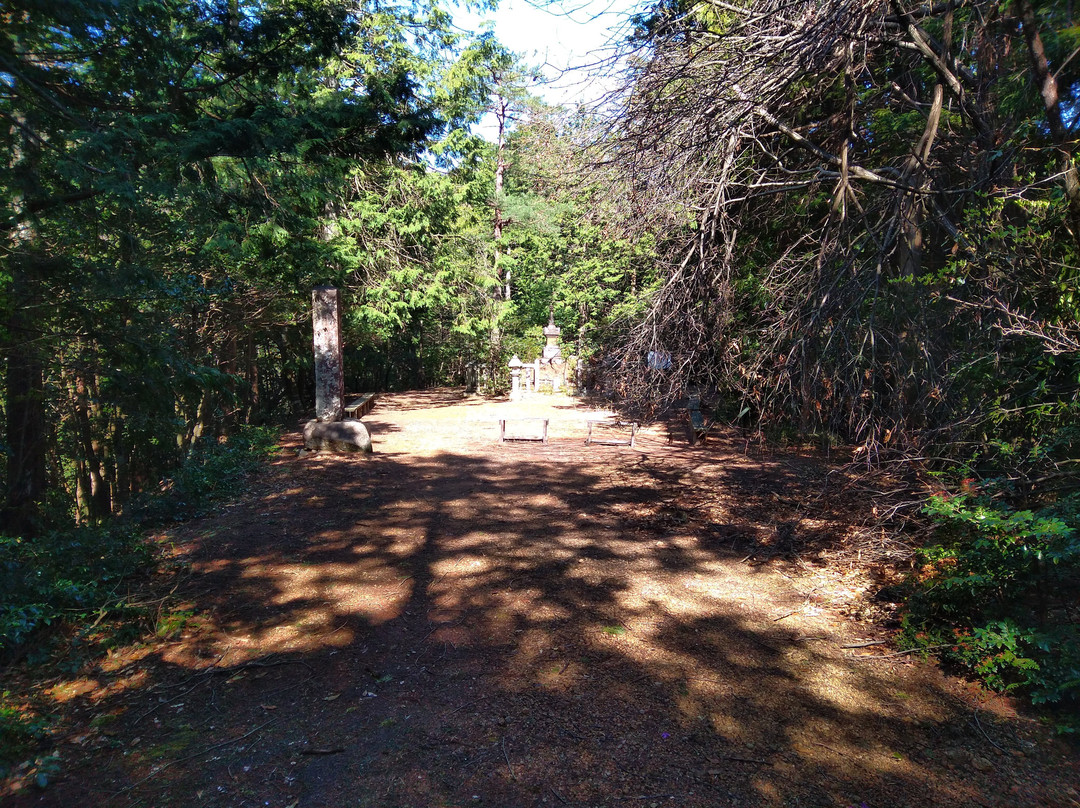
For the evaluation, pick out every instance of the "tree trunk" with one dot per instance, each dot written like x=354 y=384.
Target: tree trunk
x=25 y=395
x=25 y=376
x=912 y=205
x=96 y=504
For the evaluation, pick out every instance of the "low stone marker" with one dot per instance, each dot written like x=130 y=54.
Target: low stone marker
x=337 y=436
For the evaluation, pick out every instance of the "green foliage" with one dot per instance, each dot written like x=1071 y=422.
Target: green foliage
x=20 y=731
x=76 y=577
x=997 y=592
x=65 y=577
x=214 y=470
x=170 y=625
x=182 y=175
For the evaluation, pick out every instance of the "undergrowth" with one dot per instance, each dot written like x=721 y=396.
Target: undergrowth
x=997 y=595
x=68 y=594
x=213 y=471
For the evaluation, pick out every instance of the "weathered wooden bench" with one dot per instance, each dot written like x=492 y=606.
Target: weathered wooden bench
x=503 y=437
x=361 y=407
x=603 y=423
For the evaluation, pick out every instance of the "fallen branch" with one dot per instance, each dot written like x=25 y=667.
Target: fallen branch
x=466 y=704
x=647 y=797
x=558 y=796
x=736 y=759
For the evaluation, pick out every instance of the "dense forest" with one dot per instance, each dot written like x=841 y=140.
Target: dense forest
x=852 y=223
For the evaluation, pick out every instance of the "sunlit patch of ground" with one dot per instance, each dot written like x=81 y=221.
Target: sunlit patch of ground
x=458 y=621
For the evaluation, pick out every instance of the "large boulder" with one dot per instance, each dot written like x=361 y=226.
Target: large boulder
x=337 y=436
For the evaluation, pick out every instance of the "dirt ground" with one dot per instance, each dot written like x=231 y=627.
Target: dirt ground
x=456 y=621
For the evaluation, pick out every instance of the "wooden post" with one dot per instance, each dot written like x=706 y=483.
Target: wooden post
x=329 y=367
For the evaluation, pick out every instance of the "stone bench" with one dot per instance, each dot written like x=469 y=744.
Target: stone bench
x=603 y=423
x=503 y=437
x=699 y=427
x=361 y=407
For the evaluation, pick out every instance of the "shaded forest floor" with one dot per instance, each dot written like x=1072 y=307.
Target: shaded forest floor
x=454 y=621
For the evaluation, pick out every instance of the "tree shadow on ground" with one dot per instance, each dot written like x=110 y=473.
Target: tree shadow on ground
x=505 y=630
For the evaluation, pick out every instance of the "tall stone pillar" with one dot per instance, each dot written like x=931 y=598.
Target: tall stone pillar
x=329 y=366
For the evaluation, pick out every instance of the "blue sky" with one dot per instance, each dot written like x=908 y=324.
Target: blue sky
x=565 y=37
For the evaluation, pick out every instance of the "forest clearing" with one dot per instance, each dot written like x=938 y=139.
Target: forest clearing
x=816 y=261
x=456 y=621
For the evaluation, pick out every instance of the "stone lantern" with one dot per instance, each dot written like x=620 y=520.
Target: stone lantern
x=515 y=366
x=552 y=356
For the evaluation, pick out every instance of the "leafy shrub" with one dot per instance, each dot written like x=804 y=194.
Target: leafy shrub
x=76 y=575
x=212 y=471
x=998 y=596
x=64 y=575
x=19 y=731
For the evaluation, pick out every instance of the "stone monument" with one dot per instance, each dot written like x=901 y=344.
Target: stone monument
x=328 y=432
x=329 y=366
x=550 y=368
x=552 y=332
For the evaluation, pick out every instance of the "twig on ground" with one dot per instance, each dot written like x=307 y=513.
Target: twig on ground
x=441 y=625
x=647 y=797
x=865 y=644
x=558 y=796
x=983 y=731
x=466 y=704
x=907 y=651
x=506 y=757
x=166 y=703
x=208 y=749
x=213 y=669
x=737 y=759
